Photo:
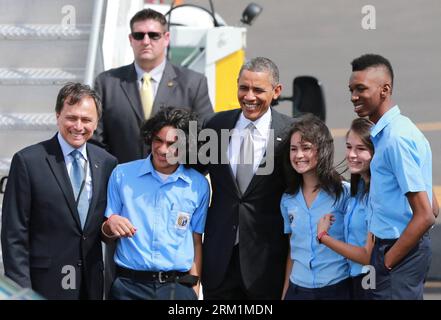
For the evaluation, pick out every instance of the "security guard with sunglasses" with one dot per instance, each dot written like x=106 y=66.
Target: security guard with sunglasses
x=132 y=94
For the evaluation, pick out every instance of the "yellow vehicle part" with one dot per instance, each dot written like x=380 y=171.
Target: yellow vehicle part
x=227 y=70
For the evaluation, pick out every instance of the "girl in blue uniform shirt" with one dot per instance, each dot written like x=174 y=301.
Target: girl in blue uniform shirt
x=357 y=247
x=359 y=152
x=313 y=271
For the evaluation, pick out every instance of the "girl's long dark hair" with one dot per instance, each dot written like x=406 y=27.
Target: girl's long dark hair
x=314 y=130
x=362 y=128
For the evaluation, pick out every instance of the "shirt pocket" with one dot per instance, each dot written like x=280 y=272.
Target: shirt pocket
x=180 y=218
x=294 y=218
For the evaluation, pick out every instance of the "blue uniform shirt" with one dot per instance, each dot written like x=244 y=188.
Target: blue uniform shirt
x=165 y=215
x=356 y=225
x=402 y=163
x=315 y=265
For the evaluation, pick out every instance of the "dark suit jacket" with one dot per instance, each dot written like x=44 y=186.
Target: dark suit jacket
x=263 y=247
x=119 y=128
x=41 y=231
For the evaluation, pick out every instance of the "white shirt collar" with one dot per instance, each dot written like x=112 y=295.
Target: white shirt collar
x=155 y=73
x=262 y=124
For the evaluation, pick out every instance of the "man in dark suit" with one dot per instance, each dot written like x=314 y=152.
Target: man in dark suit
x=124 y=108
x=244 y=247
x=54 y=205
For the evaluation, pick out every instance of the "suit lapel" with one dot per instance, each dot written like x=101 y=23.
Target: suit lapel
x=166 y=88
x=56 y=162
x=279 y=128
x=129 y=85
x=230 y=124
x=95 y=171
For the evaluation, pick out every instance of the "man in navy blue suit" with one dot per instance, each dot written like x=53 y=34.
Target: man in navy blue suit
x=51 y=228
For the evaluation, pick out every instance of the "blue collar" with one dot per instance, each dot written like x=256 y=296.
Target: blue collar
x=385 y=120
x=66 y=148
x=147 y=168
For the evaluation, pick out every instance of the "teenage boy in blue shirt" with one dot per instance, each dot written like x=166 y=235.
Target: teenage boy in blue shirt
x=156 y=209
x=401 y=184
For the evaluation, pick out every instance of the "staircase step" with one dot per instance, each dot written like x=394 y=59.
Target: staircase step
x=28 y=121
x=43 y=31
x=39 y=76
x=28 y=99
x=43 y=53
x=19 y=139
x=46 y=11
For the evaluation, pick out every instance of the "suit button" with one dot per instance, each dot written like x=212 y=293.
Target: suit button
x=234 y=227
x=80 y=263
x=84 y=238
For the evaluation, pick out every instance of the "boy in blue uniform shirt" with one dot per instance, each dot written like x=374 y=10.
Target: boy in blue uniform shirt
x=401 y=184
x=156 y=209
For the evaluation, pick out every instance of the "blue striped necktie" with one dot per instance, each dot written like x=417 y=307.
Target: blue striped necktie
x=78 y=180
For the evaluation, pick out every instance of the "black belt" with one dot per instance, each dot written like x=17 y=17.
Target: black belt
x=385 y=241
x=392 y=241
x=157 y=276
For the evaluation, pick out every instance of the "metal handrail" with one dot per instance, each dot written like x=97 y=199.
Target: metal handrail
x=93 y=41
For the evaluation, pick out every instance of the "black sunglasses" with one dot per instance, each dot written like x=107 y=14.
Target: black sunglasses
x=152 y=35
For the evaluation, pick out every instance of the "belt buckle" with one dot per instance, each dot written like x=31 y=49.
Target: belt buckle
x=162 y=277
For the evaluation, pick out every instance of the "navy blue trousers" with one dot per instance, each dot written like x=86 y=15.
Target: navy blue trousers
x=128 y=289
x=338 y=291
x=357 y=290
x=406 y=280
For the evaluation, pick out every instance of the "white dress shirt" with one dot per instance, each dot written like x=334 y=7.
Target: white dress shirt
x=155 y=74
x=260 y=139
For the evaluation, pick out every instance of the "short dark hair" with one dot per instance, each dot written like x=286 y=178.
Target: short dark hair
x=315 y=131
x=372 y=60
x=148 y=14
x=174 y=117
x=73 y=92
x=262 y=64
